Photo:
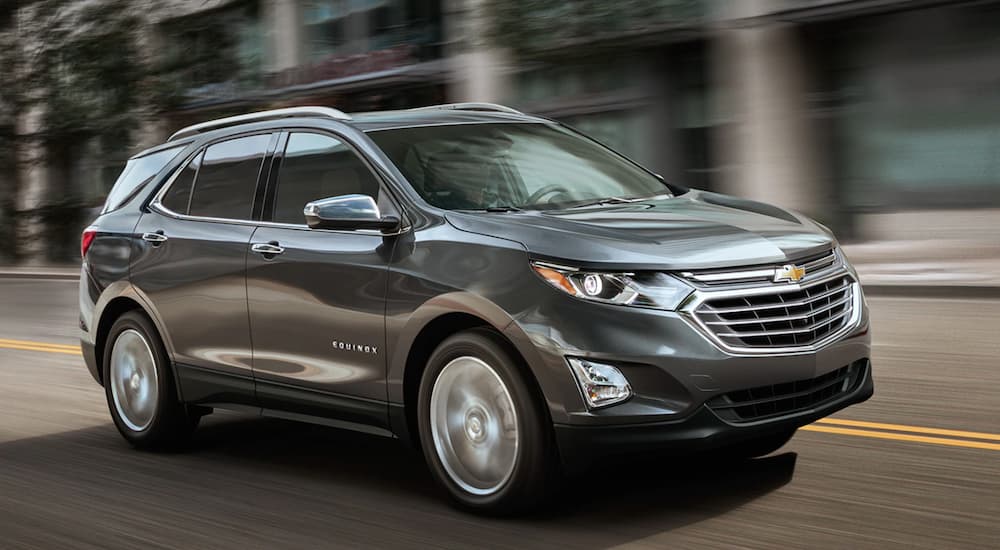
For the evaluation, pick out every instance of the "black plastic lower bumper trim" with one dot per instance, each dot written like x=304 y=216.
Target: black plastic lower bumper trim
x=702 y=431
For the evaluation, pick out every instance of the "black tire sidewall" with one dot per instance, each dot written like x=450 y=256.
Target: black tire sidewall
x=167 y=409
x=533 y=467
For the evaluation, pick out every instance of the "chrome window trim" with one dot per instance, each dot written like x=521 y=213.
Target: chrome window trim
x=156 y=202
x=700 y=296
x=157 y=206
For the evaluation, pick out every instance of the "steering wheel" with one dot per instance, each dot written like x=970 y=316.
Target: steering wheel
x=555 y=188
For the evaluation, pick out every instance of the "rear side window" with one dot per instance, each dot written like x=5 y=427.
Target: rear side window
x=227 y=178
x=178 y=197
x=137 y=175
x=317 y=167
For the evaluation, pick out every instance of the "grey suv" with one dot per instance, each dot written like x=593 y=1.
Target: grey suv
x=505 y=293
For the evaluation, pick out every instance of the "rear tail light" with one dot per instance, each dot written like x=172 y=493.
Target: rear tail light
x=86 y=240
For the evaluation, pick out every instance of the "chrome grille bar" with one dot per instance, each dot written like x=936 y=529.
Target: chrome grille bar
x=815 y=266
x=804 y=302
x=821 y=263
x=802 y=330
x=758 y=321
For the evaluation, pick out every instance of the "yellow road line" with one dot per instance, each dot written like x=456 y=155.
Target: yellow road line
x=41 y=349
x=38 y=344
x=903 y=437
x=26 y=345
x=825 y=425
x=911 y=429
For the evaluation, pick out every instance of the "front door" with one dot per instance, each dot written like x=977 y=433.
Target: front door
x=317 y=297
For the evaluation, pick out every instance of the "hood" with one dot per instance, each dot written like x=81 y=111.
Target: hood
x=697 y=230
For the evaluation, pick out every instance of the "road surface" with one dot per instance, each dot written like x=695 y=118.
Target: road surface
x=918 y=466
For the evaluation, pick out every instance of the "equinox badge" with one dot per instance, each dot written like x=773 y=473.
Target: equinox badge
x=337 y=344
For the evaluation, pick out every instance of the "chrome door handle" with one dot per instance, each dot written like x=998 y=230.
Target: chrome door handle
x=268 y=249
x=155 y=238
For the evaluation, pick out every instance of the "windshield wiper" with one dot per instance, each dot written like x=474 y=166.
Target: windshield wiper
x=502 y=209
x=621 y=200
x=608 y=200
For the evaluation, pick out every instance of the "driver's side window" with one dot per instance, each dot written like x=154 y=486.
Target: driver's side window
x=318 y=166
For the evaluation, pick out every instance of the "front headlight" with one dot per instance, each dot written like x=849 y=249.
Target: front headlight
x=652 y=289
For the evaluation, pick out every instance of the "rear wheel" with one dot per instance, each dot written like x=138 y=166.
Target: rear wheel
x=140 y=388
x=482 y=429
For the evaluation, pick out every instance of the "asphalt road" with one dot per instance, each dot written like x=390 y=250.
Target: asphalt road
x=931 y=479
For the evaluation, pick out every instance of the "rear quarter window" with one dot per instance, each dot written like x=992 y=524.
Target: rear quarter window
x=136 y=176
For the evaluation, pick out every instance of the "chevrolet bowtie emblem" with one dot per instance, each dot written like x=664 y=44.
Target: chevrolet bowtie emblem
x=789 y=273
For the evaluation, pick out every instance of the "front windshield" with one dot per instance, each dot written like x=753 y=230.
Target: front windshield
x=511 y=165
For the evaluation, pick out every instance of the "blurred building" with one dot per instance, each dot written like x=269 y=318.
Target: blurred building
x=878 y=117
x=357 y=54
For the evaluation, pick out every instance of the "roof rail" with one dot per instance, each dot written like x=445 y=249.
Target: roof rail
x=259 y=116
x=470 y=107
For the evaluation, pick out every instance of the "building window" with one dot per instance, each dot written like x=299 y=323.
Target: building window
x=919 y=119
x=346 y=27
x=210 y=54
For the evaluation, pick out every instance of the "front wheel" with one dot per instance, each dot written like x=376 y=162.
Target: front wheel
x=139 y=386
x=482 y=428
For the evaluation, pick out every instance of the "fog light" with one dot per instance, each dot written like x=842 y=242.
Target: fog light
x=602 y=384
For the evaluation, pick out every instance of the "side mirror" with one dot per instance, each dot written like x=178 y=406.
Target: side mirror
x=348 y=212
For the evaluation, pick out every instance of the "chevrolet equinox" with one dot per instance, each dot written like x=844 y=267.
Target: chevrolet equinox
x=503 y=292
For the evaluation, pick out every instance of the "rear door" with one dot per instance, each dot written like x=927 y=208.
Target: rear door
x=191 y=264
x=317 y=299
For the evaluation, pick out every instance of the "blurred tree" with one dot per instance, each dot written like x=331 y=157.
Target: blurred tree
x=13 y=100
x=533 y=27
x=76 y=69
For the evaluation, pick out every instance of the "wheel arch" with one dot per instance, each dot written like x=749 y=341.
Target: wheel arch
x=117 y=302
x=435 y=329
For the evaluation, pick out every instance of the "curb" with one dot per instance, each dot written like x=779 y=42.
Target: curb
x=932 y=291
x=40 y=275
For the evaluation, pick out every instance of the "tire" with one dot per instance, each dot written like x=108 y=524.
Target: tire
x=511 y=430
x=758 y=447
x=140 y=387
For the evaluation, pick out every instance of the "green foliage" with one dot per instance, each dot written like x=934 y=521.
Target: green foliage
x=88 y=72
x=77 y=69
x=533 y=26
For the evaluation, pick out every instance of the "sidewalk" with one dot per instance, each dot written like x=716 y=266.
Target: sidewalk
x=940 y=268
x=934 y=267
x=60 y=272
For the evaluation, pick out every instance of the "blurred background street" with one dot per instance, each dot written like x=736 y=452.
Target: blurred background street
x=879 y=118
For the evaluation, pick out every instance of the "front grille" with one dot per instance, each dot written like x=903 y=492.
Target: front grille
x=765 y=402
x=815 y=266
x=785 y=318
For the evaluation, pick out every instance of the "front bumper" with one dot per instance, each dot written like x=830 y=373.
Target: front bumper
x=701 y=431
x=677 y=375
